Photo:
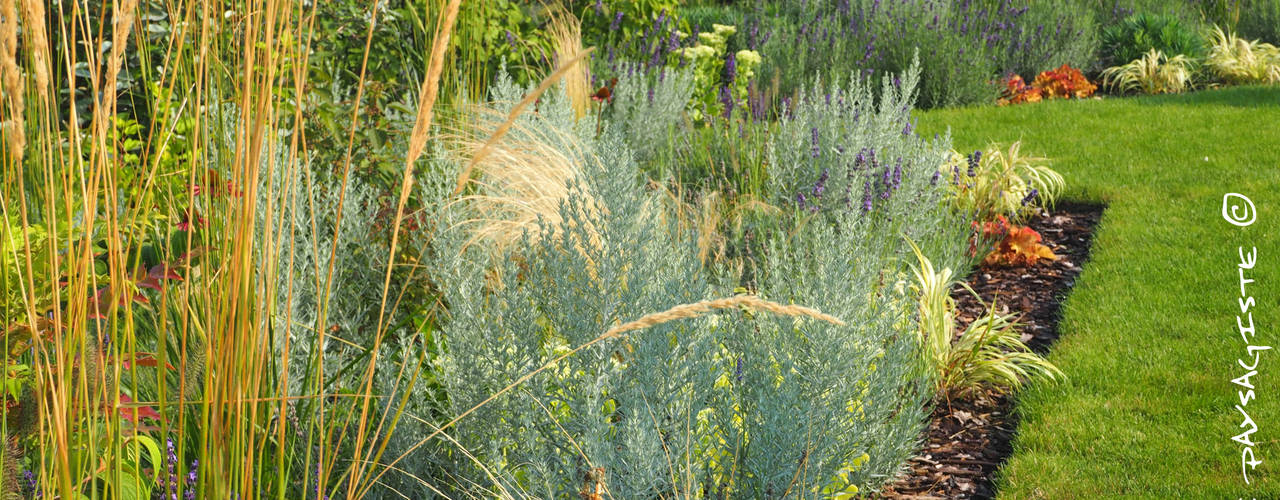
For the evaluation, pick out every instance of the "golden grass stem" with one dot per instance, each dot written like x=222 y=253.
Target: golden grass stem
x=417 y=142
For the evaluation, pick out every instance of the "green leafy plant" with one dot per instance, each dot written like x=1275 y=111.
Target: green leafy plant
x=720 y=78
x=1262 y=21
x=1001 y=182
x=1134 y=36
x=987 y=354
x=1236 y=60
x=1153 y=73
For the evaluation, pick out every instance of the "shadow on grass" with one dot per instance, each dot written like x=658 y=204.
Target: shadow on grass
x=1239 y=97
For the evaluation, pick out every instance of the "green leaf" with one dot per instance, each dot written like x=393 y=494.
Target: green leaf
x=150 y=445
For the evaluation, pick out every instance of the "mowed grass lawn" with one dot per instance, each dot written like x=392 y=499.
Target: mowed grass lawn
x=1149 y=336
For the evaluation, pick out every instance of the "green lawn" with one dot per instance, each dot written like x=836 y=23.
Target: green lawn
x=1149 y=338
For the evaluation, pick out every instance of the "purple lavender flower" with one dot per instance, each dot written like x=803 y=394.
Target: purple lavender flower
x=1030 y=196
x=973 y=162
x=617 y=21
x=30 y=485
x=897 y=174
x=821 y=186
x=737 y=370
x=934 y=180
x=730 y=68
x=511 y=40
x=861 y=159
x=726 y=98
x=866 y=197
x=816 y=150
x=800 y=200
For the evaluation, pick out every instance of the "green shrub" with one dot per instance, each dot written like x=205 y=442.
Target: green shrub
x=963 y=46
x=1138 y=34
x=1260 y=20
x=1048 y=35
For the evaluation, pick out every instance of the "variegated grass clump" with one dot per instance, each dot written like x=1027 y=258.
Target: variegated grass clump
x=1239 y=61
x=1153 y=73
x=987 y=354
x=1001 y=182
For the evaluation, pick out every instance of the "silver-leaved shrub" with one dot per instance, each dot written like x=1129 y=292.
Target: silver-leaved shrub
x=737 y=403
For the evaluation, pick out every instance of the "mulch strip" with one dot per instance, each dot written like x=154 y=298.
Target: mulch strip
x=967 y=442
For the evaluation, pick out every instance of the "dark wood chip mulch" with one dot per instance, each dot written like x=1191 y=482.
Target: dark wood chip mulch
x=968 y=440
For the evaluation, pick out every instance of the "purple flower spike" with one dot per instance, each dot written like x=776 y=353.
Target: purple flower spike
x=821 y=186
x=726 y=98
x=1030 y=196
x=730 y=68
x=617 y=21
x=816 y=150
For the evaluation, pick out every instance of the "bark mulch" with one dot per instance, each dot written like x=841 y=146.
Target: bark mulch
x=969 y=440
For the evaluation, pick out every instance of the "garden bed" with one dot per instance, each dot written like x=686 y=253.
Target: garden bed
x=968 y=440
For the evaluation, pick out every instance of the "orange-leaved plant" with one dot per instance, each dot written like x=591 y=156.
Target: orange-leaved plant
x=1014 y=245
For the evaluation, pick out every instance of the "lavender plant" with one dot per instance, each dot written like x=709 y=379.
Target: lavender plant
x=963 y=46
x=647 y=109
x=856 y=175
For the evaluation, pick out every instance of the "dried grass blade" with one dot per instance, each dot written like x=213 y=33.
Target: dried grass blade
x=515 y=113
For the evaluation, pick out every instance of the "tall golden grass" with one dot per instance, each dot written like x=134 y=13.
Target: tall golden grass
x=229 y=361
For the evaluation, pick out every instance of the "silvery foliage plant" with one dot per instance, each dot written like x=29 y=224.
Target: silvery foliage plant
x=852 y=150
x=856 y=181
x=622 y=405
x=736 y=403
x=648 y=107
